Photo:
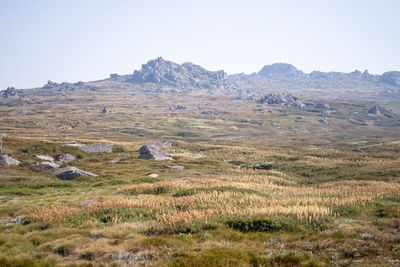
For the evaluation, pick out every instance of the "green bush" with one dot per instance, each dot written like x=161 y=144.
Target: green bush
x=264 y=224
x=118 y=149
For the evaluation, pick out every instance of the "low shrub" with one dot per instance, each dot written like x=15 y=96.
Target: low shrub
x=264 y=224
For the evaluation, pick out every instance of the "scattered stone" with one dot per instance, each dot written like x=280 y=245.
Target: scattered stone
x=18 y=220
x=176 y=167
x=46 y=158
x=97 y=148
x=153 y=175
x=73 y=144
x=357 y=150
x=70 y=173
x=153 y=151
x=2 y=197
x=177 y=107
x=359 y=143
x=261 y=166
x=7 y=160
x=65 y=158
x=47 y=165
x=322 y=106
x=324 y=121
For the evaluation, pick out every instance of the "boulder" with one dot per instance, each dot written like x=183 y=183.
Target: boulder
x=65 y=158
x=152 y=151
x=70 y=173
x=7 y=160
x=97 y=148
x=375 y=111
x=153 y=175
x=324 y=121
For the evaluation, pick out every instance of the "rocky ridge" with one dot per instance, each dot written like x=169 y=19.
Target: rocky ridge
x=186 y=75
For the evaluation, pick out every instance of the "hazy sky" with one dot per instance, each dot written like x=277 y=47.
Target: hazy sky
x=73 y=40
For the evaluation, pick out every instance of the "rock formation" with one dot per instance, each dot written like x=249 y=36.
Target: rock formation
x=153 y=151
x=12 y=92
x=187 y=75
x=279 y=71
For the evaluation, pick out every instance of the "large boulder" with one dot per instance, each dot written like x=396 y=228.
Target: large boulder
x=7 y=160
x=97 y=148
x=153 y=151
x=70 y=173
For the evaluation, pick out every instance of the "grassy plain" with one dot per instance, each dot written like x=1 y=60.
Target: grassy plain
x=320 y=205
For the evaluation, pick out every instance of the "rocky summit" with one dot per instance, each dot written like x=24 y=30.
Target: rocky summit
x=186 y=75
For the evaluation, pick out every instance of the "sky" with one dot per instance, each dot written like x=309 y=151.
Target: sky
x=83 y=40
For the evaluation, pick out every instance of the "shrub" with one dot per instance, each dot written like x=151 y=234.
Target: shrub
x=64 y=249
x=264 y=224
x=118 y=149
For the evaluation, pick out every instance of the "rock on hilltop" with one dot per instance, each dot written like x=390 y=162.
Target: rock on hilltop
x=186 y=75
x=280 y=70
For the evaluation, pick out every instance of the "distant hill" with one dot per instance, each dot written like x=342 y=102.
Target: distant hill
x=159 y=75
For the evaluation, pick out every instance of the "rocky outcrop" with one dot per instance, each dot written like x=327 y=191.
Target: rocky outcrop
x=70 y=173
x=391 y=78
x=69 y=87
x=282 y=99
x=279 y=71
x=186 y=75
x=290 y=100
x=11 y=92
x=153 y=151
